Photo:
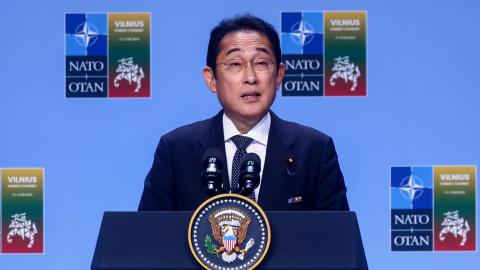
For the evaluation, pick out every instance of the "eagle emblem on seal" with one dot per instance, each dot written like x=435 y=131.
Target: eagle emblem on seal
x=229 y=229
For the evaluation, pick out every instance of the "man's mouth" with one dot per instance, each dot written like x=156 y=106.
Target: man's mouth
x=251 y=96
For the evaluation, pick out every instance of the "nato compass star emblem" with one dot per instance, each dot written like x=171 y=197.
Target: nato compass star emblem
x=411 y=188
x=229 y=232
x=86 y=34
x=302 y=32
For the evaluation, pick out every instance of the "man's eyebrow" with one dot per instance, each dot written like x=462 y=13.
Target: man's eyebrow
x=263 y=50
x=257 y=49
x=233 y=50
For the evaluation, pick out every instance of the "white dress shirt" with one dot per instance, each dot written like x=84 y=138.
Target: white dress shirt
x=259 y=134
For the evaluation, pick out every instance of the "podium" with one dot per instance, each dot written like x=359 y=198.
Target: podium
x=300 y=240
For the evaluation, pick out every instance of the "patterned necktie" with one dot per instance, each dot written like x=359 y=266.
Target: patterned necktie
x=241 y=142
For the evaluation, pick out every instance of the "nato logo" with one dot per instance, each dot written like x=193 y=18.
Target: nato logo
x=411 y=214
x=302 y=53
x=302 y=33
x=86 y=55
x=411 y=187
x=86 y=34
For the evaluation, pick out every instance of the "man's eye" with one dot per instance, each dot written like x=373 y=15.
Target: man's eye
x=235 y=63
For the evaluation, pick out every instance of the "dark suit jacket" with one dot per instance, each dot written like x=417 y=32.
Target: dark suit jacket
x=173 y=182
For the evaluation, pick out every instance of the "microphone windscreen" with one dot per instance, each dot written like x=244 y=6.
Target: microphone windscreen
x=213 y=152
x=252 y=159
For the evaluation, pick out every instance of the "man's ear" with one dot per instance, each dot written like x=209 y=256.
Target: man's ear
x=280 y=74
x=209 y=77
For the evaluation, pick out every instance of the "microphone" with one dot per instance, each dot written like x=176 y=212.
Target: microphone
x=249 y=174
x=212 y=171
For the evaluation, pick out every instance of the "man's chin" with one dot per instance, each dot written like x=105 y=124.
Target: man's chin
x=254 y=116
x=248 y=114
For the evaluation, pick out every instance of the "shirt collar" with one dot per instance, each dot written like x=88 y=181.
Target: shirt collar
x=259 y=132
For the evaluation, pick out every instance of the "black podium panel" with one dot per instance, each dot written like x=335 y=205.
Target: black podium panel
x=300 y=240
x=315 y=240
x=144 y=240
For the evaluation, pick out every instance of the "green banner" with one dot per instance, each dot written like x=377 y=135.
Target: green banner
x=454 y=208
x=22 y=210
x=346 y=53
x=129 y=54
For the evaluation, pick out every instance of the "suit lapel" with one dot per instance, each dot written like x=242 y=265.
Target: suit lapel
x=213 y=137
x=274 y=187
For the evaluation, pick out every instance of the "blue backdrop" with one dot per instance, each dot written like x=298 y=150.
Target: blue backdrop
x=422 y=109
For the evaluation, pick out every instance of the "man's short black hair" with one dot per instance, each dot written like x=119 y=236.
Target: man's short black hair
x=239 y=23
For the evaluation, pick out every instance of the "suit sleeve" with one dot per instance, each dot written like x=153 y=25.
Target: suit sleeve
x=158 y=193
x=330 y=185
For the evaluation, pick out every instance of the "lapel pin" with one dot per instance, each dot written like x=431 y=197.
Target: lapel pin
x=291 y=166
x=296 y=199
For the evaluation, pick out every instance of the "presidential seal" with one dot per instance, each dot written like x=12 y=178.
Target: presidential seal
x=229 y=232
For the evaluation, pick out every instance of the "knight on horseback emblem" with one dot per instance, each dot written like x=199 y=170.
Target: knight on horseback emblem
x=22 y=227
x=454 y=224
x=345 y=70
x=130 y=72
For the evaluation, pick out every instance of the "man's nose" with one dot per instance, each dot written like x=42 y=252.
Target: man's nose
x=250 y=77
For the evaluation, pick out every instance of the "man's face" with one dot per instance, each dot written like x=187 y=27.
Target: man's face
x=247 y=93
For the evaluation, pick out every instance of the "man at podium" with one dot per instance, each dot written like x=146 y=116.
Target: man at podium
x=299 y=165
